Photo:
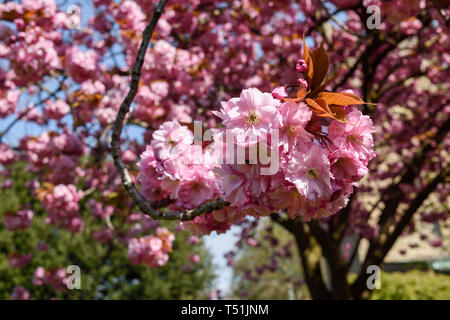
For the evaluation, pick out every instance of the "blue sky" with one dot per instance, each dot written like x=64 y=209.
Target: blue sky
x=218 y=245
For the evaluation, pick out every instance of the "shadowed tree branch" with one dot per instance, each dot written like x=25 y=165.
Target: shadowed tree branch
x=310 y=254
x=381 y=245
x=337 y=265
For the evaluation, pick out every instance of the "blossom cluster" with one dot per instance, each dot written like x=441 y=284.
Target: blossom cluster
x=319 y=160
x=314 y=162
x=60 y=152
x=81 y=65
x=20 y=293
x=172 y=167
x=18 y=220
x=56 y=278
x=61 y=203
x=17 y=260
x=8 y=102
x=6 y=155
x=151 y=250
x=32 y=55
x=56 y=109
x=99 y=210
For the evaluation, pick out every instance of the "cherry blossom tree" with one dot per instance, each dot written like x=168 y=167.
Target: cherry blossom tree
x=342 y=125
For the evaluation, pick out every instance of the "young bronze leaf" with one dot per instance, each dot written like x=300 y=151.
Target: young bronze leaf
x=301 y=93
x=339 y=112
x=320 y=108
x=313 y=105
x=324 y=85
x=295 y=100
x=340 y=99
x=351 y=95
x=321 y=63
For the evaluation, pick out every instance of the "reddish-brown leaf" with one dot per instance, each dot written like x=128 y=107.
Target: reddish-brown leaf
x=321 y=63
x=301 y=93
x=324 y=85
x=338 y=112
x=340 y=99
x=320 y=107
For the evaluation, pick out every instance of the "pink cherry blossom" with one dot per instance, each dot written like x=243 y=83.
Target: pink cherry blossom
x=279 y=93
x=56 y=109
x=62 y=206
x=81 y=65
x=295 y=117
x=301 y=65
x=251 y=115
x=302 y=83
x=17 y=260
x=171 y=137
x=20 y=293
x=8 y=102
x=151 y=250
x=346 y=165
x=194 y=240
x=56 y=278
x=18 y=220
x=309 y=171
x=6 y=155
x=99 y=210
x=354 y=135
x=194 y=258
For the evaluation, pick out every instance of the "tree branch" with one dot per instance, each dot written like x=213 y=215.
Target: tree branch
x=383 y=243
x=354 y=253
x=127 y=183
x=338 y=23
x=413 y=167
x=413 y=207
x=310 y=254
x=336 y=264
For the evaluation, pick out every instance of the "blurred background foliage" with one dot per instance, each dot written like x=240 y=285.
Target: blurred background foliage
x=106 y=273
x=413 y=285
x=267 y=271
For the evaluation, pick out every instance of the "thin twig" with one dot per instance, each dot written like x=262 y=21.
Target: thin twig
x=339 y=24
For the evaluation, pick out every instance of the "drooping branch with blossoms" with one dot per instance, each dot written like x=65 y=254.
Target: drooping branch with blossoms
x=312 y=183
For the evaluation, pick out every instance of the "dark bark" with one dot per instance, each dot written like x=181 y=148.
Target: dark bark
x=310 y=254
x=336 y=264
